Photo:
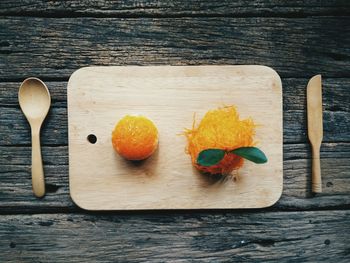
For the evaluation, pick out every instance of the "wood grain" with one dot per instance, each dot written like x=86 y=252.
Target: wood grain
x=98 y=97
x=195 y=237
x=335 y=91
x=288 y=36
x=172 y=8
x=14 y=129
x=294 y=47
x=16 y=194
x=15 y=161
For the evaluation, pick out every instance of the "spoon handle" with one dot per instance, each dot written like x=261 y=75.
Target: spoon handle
x=38 y=182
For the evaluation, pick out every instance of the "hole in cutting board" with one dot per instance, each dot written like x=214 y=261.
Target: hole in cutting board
x=92 y=138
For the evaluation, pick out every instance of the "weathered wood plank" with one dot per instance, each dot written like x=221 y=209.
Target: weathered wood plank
x=55 y=47
x=16 y=194
x=58 y=92
x=14 y=129
x=22 y=155
x=171 y=8
x=336 y=93
x=319 y=236
x=58 y=155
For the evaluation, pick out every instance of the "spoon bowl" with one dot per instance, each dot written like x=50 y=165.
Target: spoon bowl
x=34 y=100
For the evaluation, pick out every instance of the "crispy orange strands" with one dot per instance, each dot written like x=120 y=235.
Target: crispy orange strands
x=135 y=137
x=220 y=129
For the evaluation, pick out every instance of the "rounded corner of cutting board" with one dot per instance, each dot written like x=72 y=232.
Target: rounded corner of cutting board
x=76 y=200
x=77 y=72
x=275 y=199
x=269 y=69
x=274 y=73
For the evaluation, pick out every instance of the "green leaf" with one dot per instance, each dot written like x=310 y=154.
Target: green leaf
x=251 y=153
x=210 y=157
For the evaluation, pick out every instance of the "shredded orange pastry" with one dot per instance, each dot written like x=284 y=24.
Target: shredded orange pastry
x=220 y=129
x=135 y=137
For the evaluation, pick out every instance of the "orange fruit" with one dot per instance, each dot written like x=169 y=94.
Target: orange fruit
x=220 y=129
x=135 y=137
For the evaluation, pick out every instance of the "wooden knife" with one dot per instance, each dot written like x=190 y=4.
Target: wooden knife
x=315 y=128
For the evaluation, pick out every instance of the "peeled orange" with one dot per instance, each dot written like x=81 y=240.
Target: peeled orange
x=135 y=137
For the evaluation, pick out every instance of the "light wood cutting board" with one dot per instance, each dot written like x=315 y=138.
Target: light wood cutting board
x=170 y=95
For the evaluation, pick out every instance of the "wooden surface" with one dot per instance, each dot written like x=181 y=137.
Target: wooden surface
x=98 y=97
x=174 y=237
x=280 y=43
x=51 y=39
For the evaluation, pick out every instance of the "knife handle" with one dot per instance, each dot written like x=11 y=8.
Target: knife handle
x=316 y=171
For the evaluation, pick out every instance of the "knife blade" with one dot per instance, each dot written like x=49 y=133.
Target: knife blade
x=315 y=128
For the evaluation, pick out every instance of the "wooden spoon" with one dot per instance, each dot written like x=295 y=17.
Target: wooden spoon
x=34 y=99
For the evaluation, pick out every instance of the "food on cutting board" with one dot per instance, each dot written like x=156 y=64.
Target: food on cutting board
x=135 y=137
x=221 y=142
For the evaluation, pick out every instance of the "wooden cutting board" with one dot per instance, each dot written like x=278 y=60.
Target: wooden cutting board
x=170 y=95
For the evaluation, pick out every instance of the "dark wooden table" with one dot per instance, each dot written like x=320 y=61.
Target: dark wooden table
x=51 y=39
